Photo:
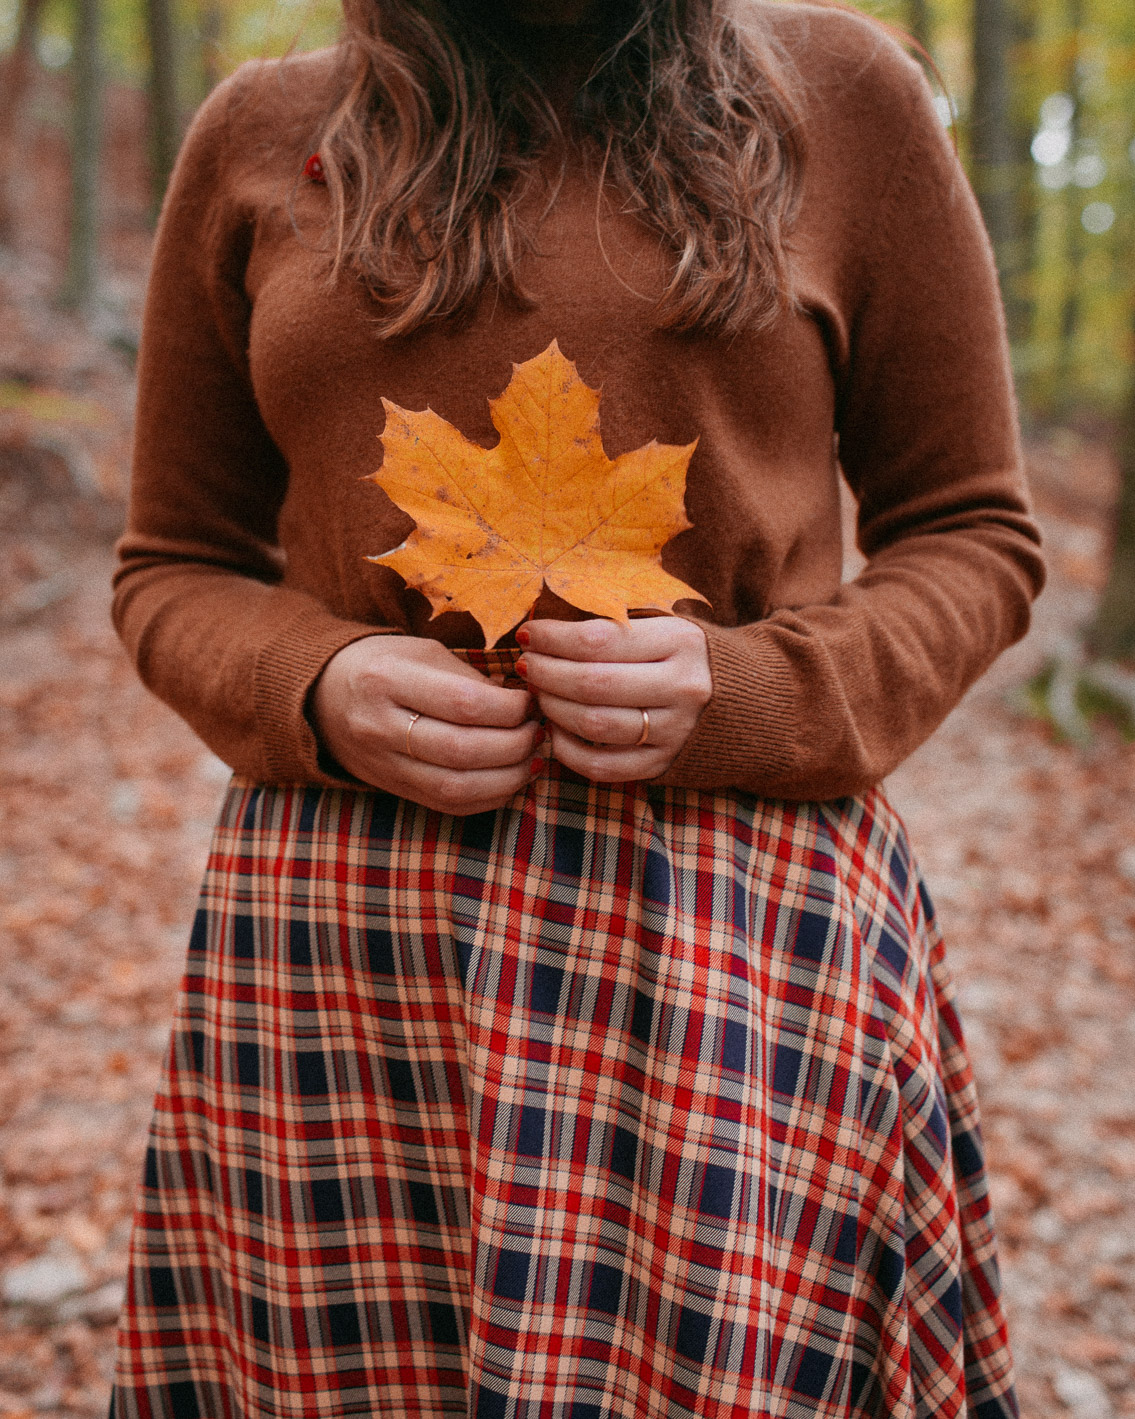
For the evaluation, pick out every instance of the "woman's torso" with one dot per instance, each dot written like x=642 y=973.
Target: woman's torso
x=763 y=487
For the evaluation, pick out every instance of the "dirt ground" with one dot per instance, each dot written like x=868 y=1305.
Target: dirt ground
x=106 y=803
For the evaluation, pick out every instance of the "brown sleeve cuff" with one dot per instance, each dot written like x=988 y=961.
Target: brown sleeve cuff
x=735 y=742
x=285 y=673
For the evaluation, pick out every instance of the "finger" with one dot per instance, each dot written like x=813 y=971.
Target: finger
x=626 y=684
x=442 y=693
x=645 y=638
x=461 y=790
x=607 y=724
x=606 y=765
x=453 y=746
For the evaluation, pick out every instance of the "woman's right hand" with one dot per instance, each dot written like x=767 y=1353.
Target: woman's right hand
x=471 y=747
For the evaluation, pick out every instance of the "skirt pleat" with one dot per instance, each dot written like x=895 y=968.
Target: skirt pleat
x=624 y=1102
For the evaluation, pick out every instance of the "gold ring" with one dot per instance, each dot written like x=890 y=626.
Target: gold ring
x=642 y=738
x=415 y=715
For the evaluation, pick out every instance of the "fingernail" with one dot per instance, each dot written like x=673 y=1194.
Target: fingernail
x=522 y=636
x=521 y=668
x=536 y=767
x=541 y=734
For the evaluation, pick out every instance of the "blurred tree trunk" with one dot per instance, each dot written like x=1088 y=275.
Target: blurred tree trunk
x=165 y=115
x=1076 y=242
x=1112 y=636
x=211 y=26
x=16 y=77
x=1022 y=304
x=991 y=134
x=86 y=144
x=919 y=24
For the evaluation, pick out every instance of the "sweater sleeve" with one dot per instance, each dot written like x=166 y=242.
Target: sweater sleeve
x=824 y=700
x=198 y=596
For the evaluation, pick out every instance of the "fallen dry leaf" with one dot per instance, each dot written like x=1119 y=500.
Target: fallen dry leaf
x=545 y=507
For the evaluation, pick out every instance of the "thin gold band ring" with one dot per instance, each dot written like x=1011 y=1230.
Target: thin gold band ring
x=642 y=738
x=415 y=715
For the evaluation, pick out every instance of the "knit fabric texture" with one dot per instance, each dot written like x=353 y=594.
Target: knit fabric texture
x=243 y=568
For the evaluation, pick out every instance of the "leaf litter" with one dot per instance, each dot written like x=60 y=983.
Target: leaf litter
x=106 y=807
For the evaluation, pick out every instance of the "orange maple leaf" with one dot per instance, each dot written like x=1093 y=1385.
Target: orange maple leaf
x=544 y=507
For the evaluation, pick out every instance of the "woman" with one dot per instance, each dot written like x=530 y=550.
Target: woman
x=621 y=1079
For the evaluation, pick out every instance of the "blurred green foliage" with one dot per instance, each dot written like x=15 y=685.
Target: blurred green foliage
x=1072 y=67
x=248 y=29
x=1072 y=279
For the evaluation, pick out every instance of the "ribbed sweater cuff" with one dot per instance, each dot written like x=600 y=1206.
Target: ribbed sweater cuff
x=286 y=670
x=738 y=740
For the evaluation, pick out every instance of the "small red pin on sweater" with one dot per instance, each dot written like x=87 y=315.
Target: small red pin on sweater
x=313 y=169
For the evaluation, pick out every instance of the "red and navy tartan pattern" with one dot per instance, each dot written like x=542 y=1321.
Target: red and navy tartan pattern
x=621 y=1103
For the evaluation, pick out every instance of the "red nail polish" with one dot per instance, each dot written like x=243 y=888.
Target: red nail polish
x=521 y=668
x=536 y=767
x=522 y=636
x=541 y=734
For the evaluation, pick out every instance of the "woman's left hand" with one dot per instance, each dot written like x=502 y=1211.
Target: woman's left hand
x=602 y=684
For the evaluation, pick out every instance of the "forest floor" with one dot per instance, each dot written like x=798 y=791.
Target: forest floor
x=106 y=804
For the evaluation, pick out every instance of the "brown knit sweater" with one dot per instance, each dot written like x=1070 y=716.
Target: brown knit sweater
x=243 y=567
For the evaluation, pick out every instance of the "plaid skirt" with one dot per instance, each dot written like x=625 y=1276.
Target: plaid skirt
x=620 y=1103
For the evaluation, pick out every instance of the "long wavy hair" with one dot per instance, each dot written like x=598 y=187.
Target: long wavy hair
x=441 y=126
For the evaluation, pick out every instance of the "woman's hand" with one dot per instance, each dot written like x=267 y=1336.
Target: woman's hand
x=407 y=716
x=594 y=679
